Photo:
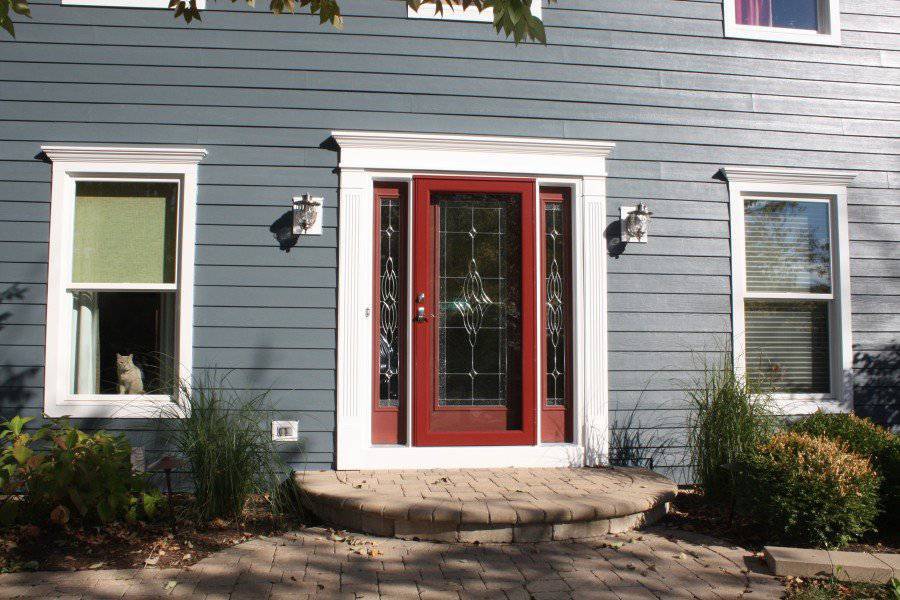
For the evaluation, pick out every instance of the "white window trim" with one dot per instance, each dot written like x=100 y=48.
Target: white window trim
x=201 y=4
x=369 y=156
x=821 y=185
x=456 y=13
x=829 y=33
x=74 y=163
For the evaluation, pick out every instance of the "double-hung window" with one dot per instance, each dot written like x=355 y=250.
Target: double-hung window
x=801 y=21
x=790 y=285
x=120 y=279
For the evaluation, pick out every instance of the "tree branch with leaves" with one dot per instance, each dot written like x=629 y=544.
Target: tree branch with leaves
x=513 y=18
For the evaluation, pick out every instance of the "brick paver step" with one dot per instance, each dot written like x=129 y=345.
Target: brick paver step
x=505 y=505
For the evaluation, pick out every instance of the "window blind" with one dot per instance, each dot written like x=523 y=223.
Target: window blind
x=125 y=232
x=788 y=248
x=787 y=345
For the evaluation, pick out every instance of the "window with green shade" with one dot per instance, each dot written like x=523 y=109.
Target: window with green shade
x=125 y=232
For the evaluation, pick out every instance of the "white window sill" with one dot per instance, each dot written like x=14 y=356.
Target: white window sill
x=805 y=404
x=114 y=406
x=781 y=34
x=201 y=4
x=456 y=13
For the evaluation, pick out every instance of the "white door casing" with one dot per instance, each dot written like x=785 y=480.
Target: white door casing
x=366 y=157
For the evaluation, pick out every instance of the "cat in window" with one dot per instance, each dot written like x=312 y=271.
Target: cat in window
x=131 y=379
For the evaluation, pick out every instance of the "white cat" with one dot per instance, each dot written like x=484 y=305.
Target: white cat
x=131 y=379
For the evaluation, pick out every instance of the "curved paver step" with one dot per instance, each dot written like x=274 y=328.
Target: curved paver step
x=500 y=505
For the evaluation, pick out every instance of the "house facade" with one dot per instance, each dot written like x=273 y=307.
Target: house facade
x=427 y=242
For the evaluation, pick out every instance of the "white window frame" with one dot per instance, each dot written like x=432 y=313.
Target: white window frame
x=366 y=157
x=828 y=34
x=811 y=185
x=201 y=4
x=72 y=164
x=457 y=13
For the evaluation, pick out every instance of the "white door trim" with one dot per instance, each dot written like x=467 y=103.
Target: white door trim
x=369 y=156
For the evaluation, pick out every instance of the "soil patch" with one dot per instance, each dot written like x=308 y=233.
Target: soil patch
x=164 y=544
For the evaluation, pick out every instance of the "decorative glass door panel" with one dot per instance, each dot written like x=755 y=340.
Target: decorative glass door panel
x=556 y=408
x=389 y=353
x=474 y=311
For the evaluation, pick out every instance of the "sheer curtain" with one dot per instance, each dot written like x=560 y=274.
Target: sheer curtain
x=86 y=343
x=753 y=12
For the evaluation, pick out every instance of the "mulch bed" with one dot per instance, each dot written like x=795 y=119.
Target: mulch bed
x=692 y=512
x=162 y=544
x=818 y=589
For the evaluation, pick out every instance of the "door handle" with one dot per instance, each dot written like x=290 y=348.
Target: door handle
x=420 y=315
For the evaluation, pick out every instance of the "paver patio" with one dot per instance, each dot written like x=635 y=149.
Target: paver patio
x=657 y=562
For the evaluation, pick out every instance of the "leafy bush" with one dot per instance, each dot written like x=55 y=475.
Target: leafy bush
x=728 y=419
x=866 y=439
x=861 y=435
x=809 y=490
x=65 y=475
x=16 y=458
x=221 y=433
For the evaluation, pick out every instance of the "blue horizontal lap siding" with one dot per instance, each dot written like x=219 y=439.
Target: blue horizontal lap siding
x=262 y=93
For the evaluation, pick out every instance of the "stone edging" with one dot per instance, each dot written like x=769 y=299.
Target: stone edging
x=862 y=567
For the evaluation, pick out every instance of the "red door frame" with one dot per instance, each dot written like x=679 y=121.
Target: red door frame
x=424 y=355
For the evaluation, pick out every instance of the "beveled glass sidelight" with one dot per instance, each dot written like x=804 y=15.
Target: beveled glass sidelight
x=555 y=285
x=479 y=279
x=389 y=301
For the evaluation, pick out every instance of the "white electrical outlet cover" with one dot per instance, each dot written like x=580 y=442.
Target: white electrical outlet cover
x=285 y=431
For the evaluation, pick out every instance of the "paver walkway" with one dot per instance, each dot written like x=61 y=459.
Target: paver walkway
x=657 y=562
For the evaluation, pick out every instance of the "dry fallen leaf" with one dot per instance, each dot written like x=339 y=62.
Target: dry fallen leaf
x=170 y=585
x=96 y=565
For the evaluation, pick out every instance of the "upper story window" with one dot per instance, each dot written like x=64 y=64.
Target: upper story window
x=458 y=13
x=201 y=4
x=801 y=21
x=790 y=285
x=120 y=279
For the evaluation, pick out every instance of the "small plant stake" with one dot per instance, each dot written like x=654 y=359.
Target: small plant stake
x=166 y=464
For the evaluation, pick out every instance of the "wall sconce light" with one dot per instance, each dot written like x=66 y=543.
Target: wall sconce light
x=307 y=215
x=635 y=223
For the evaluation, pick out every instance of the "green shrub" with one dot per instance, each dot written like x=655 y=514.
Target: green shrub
x=728 y=419
x=65 y=475
x=860 y=435
x=809 y=491
x=889 y=463
x=870 y=441
x=221 y=433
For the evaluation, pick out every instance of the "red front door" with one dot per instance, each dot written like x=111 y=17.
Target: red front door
x=474 y=311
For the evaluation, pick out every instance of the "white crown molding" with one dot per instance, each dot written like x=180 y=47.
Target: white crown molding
x=103 y=154
x=781 y=175
x=471 y=153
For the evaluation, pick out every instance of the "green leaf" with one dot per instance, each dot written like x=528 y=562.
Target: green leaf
x=105 y=512
x=22 y=453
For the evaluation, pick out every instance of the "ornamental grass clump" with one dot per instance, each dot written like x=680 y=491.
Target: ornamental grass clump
x=870 y=441
x=809 y=491
x=221 y=433
x=728 y=419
